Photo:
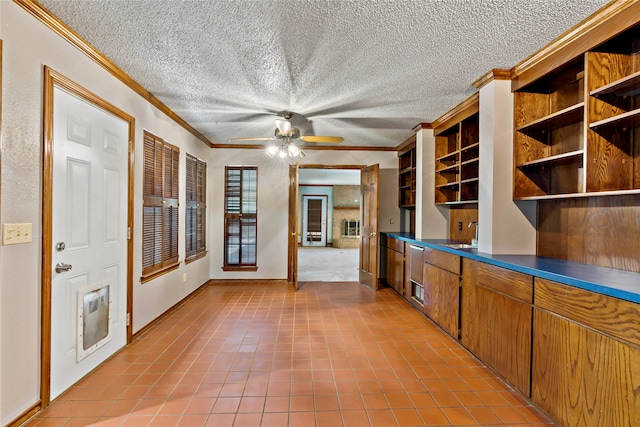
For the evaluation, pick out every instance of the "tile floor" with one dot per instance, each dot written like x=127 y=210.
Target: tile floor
x=332 y=354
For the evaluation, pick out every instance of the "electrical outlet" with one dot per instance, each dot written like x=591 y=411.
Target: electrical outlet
x=184 y=277
x=13 y=234
x=459 y=225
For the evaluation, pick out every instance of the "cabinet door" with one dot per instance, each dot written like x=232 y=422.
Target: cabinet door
x=504 y=336
x=581 y=377
x=395 y=270
x=441 y=298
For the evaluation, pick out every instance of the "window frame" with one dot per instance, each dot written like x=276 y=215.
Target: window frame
x=160 y=207
x=195 y=221
x=239 y=215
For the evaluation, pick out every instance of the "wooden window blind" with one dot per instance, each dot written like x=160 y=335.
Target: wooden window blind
x=160 y=206
x=240 y=217
x=196 y=207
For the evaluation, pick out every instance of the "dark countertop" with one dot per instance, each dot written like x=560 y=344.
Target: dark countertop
x=606 y=281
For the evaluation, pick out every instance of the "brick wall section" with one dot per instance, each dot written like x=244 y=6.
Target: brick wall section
x=346 y=205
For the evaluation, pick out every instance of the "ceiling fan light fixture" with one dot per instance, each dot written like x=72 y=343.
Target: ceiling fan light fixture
x=294 y=150
x=272 y=150
x=284 y=126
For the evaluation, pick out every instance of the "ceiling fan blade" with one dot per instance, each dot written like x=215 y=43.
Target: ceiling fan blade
x=329 y=139
x=253 y=139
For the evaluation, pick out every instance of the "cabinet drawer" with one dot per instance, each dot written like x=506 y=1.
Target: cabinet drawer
x=444 y=260
x=395 y=244
x=612 y=316
x=512 y=283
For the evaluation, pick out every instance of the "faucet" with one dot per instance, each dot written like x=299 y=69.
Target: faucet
x=474 y=242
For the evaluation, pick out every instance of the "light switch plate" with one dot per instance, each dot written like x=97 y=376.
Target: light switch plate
x=13 y=234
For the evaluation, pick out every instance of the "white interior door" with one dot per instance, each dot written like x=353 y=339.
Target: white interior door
x=89 y=237
x=314 y=221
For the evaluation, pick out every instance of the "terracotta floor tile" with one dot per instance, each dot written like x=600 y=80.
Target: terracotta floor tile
x=137 y=421
x=422 y=400
x=509 y=415
x=275 y=419
x=328 y=419
x=220 y=420
x=469 y=398
x=276 y=404
x=398 y=400
x=259 y=354
x=381 y=418
x=433 y=417
x=302 y=419
x=248 y=420
x=301 y=404
x=251 y=404
x=165 y=421
x=375 y=401
x=458 y=416
x=326 y=403
x=223 y=405
x=355 y=418
x=484 y=415
x=445 y=399
x=407 y=417
x=350 y=402
x=192 y=420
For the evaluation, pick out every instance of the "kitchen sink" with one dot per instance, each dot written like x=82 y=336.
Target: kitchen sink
x=460 y=246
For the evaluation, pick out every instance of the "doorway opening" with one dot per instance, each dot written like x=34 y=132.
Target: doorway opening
x=328 y=224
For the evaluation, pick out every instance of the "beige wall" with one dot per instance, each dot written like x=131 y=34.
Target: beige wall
x=27 y=47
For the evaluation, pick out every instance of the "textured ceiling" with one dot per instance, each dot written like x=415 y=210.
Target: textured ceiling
x=367 y=70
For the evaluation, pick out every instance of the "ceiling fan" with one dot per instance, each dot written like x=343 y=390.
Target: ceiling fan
x=288 y=135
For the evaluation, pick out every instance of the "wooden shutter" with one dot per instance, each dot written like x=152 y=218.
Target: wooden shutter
x=195 y=206
x=160 y=205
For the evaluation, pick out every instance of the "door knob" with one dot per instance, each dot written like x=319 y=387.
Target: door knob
x=61 y=266
x=374 y=234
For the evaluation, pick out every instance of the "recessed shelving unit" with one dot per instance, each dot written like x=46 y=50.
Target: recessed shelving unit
x=577 y=129
x=457 y=155
x=407 y=174
x=549 y=136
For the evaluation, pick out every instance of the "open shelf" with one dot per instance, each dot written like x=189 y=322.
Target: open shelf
x=558 y=159
x=558 y=119
x=626 y=86
x=624 y=120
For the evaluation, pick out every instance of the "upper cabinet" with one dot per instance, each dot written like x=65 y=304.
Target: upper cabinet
x=577 y=128
x=457 y=154
x=407 y=173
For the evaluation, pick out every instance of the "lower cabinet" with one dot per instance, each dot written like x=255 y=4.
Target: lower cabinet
x=496 y=320
x=586 y=357
x=395 y=263
x=441 y=281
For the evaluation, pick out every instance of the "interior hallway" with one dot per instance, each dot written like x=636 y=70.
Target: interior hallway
x=332 y=354
x=326 y=264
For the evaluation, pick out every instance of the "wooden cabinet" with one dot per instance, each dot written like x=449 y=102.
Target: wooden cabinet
x=395 y=263
x=577 y=128
x=586 y=357
x=496 y=320
x=441 y=281
x=457 y=154
x=407 y=174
